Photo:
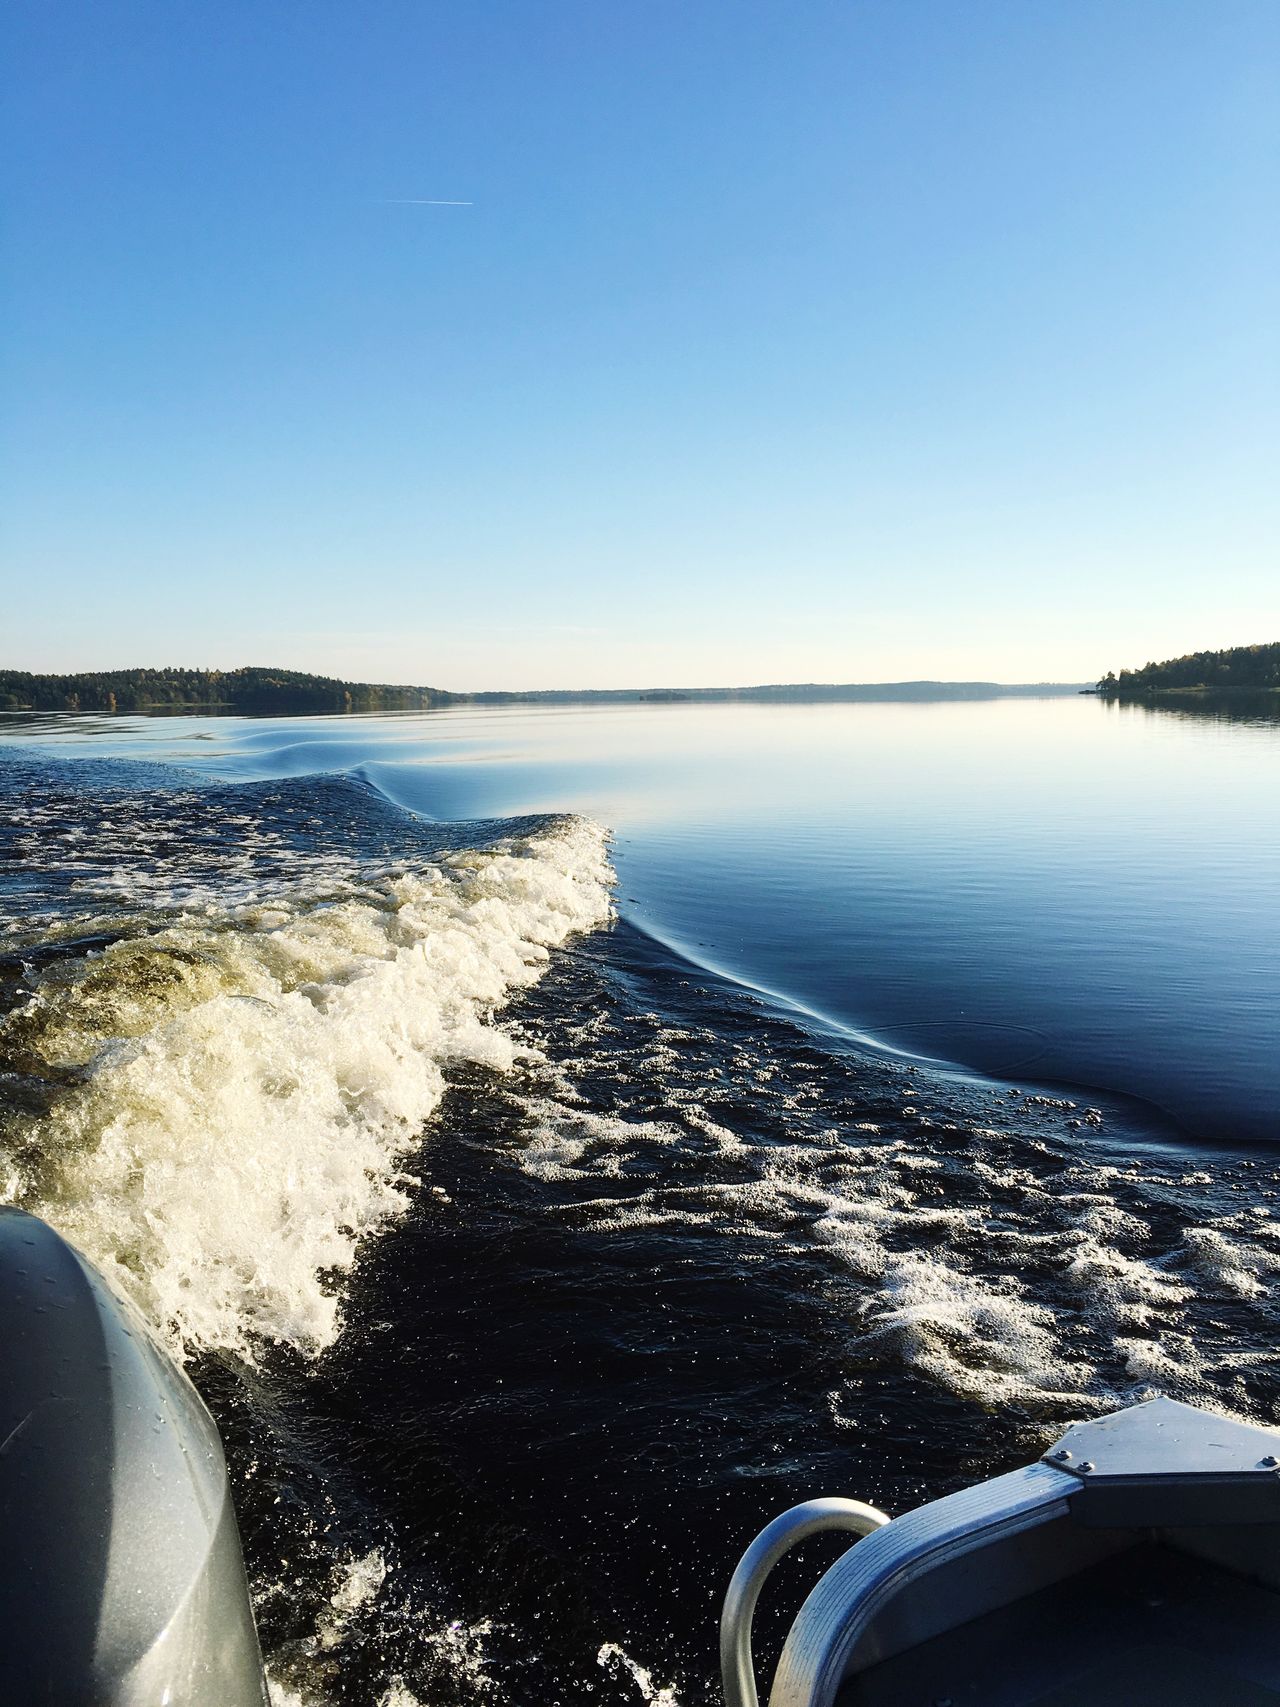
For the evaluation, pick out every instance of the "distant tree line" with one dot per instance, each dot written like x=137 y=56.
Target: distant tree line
x=259 y=691
x=1256 y=668
x=248 y=690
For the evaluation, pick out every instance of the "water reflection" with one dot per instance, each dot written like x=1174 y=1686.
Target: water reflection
x=1261 y=708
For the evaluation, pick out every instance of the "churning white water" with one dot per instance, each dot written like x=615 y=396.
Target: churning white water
x=238 y=1085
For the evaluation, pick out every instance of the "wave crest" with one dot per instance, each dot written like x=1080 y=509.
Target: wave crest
x=229 y=1097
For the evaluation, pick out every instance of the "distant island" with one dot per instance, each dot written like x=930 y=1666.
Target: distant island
x=252 y=691
x=258 y=692
x=1237 y=669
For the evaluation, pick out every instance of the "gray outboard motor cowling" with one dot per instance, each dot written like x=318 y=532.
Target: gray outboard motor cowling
x=121 y=1578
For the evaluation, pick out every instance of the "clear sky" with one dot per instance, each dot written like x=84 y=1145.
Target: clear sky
x=774 y=340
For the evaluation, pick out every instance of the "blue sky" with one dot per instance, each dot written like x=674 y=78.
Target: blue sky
x=786 y=341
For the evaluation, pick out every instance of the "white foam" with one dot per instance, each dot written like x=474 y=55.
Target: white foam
x=1009 y=1271
x=308 y=1665
x=1121 y=1289
x=459 y=1651
x=253 y=1077
x=1171 y=1361
x=984 y=1337
x=281 y=1695
x=359 y=1585
x=977 y=1337
x=616 y=1660
x=1235 y=1266
x=565 y=1143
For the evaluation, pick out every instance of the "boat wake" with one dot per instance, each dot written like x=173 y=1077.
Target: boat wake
x=528 y=1269
x=212 y=1095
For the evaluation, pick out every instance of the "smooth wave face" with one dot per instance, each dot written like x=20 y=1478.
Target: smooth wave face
x=230 y=1081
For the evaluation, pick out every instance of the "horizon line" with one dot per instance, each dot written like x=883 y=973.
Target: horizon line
x=524 y=692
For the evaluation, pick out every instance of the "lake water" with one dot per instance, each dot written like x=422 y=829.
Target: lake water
x=536 y=1236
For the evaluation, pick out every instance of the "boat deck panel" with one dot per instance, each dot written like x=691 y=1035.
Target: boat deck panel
x=1146 y=1627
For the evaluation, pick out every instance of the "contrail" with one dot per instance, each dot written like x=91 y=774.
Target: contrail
x=421 y=201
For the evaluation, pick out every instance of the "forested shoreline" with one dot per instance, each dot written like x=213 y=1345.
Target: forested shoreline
x=1250 y=669
x=249 y=690
x=259 y=691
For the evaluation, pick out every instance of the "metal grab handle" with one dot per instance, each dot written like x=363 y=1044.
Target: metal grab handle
x=737 y=1670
